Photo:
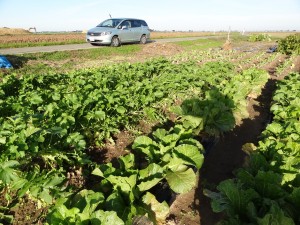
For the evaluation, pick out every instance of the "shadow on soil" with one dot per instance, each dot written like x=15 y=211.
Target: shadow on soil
x=18 y=61
x=227 y=155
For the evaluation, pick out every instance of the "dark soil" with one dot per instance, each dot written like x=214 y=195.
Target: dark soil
x=27 y=212
x=111 y=150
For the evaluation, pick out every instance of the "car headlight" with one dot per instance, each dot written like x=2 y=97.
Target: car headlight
x=105 y=33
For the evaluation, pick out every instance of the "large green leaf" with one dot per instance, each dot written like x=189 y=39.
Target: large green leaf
x=62 y=214
x=218 y=202
x=2 y=140
x=19 y=183
x=145 y=145
x=7 y=173
x=115 y=202
x=175 y=164
x=190 y=154
x=45 y=195
x=295 y=198
x=268 y=184
x=127 y=162
x=275 y=128
x=97 y=172
x=159 y=133
x=181 y=181
x=87 y=200
x=275 y=217
x=31 y=130
x=100 y=217
x=142 y=141
x=10 y=163
x=231 y=198
x=100 y=115
x=192 y=141
x=53 y=181
x=150 y=176
x=194 y=122
x=170 y=139
x=77 y=140
x=121 y=109
x=36 y=99
x=126 y=184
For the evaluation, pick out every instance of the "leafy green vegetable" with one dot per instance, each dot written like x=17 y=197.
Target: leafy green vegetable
x=266 y=191
x=181 y=181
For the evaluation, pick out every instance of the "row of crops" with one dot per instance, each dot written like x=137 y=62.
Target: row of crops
x=51 y=123
x=267 y=191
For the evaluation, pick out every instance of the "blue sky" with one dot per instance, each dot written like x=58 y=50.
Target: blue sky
x=68 y=15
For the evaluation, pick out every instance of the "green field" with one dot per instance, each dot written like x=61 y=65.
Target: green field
x=86 y=136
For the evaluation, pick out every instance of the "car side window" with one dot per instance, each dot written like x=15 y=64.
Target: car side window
x=135 y=23
x=125 y=23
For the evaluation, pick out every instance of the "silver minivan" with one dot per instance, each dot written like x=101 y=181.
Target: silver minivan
x=115 y=31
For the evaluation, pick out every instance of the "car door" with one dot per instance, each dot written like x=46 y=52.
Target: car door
x=125 y=32
x=136 y=30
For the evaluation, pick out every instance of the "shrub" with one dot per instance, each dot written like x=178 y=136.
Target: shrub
x=259 y=37
x=290 y=44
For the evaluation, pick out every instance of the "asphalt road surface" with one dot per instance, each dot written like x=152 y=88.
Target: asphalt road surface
x=54 y=48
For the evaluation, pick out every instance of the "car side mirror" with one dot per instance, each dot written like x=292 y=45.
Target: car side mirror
x=124 y=27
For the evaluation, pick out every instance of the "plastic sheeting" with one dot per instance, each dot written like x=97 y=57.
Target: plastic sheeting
x=4 y=63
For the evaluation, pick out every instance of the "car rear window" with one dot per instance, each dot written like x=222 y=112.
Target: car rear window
x=143 y=23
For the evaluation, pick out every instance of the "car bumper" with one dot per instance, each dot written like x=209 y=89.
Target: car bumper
x=106 y=39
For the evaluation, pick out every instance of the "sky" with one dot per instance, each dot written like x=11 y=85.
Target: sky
x=179 y=15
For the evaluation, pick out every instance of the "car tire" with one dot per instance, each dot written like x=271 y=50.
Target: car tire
x=143 y=39
x=115 y=41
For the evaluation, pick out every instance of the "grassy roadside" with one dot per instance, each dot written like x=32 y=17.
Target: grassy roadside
x=63 y=61
x=35 y=44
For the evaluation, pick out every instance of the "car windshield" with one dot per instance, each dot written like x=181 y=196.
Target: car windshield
x=110 y=23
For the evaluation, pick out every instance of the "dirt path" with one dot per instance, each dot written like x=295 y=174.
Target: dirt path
x=224 y=157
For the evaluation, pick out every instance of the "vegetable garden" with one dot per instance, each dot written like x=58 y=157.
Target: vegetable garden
x=60 y=161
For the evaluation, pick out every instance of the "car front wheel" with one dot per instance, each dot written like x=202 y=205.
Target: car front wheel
x=143 y=39
x=115 y=41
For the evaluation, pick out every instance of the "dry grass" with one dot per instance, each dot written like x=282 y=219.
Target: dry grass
x=30 y=39
x=41 y=38
x=12 y=31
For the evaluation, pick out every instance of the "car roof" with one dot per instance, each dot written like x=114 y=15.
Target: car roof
x=125 y=18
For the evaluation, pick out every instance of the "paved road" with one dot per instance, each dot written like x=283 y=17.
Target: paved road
x=54 y=48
